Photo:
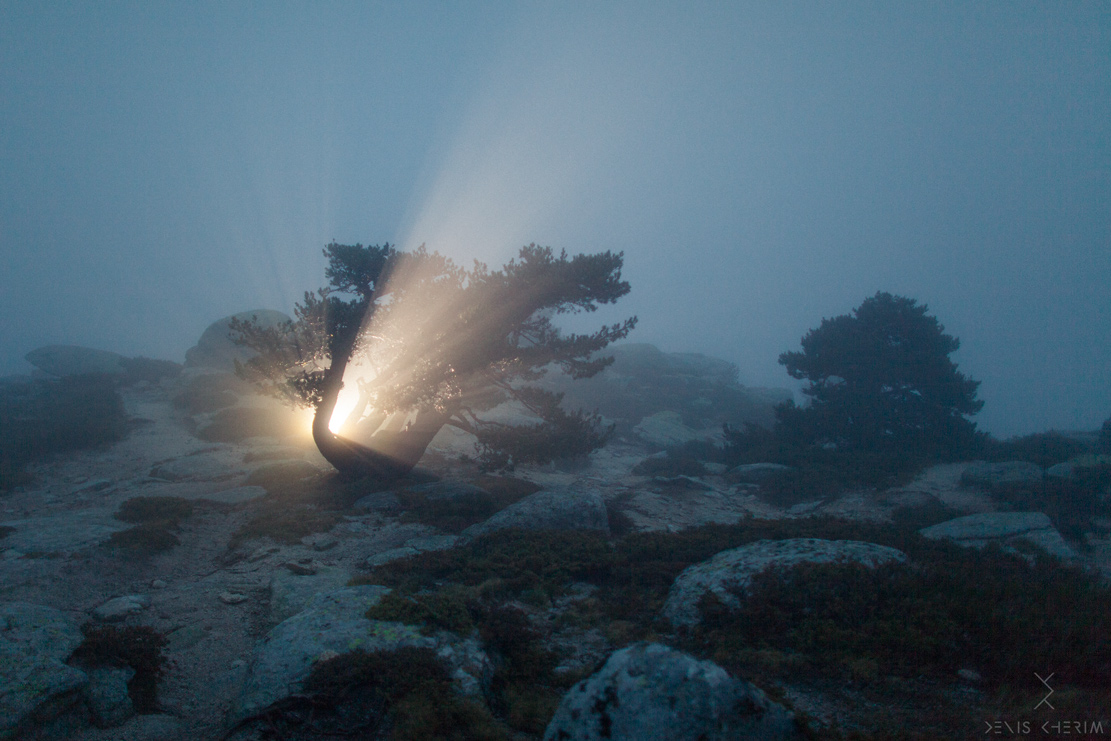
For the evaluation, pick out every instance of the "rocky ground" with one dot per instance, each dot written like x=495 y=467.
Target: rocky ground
x=215 y=599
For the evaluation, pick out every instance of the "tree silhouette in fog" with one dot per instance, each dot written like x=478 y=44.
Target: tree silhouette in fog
x=880 y=380
x=431 y=344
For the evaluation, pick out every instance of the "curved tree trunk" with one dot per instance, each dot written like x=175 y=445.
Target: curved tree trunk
x=391 y=454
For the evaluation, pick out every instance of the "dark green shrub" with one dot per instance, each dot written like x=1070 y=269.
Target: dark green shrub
x=139 y=647
x=1104 y=444
x=508 y=562
x=146 y=539
x=41 y=418
x=443 y=609
x=400 y=695
x=154 y=509
x=157 y=518
x=955 y=608
x=1043 y=448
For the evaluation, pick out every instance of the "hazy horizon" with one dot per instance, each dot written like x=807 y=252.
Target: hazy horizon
x=762 y=167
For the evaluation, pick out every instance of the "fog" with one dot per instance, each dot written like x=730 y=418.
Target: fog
x=762 y=166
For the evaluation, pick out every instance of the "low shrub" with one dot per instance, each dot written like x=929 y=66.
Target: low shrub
x=1043 y=448
x=156 y=520
x=41 y=418
x=154 y=509
x=139 y=647
x=403 y=695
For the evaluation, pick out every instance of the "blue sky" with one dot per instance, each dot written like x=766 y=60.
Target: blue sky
x=762 y=166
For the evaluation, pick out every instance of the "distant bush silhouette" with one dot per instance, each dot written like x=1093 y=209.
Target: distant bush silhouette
x=1104 y=444
x=884 y=400
x=39 y=418
x=1043 y=448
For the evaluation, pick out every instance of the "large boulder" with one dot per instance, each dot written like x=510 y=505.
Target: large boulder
x=72 y=360
x=998 y=476
x=36 y=685
x=728 y=573
x=650 y=691
x=665 y=429
x=1003 y=528
x=333 y=623
x=215 y=348
x=549 y=509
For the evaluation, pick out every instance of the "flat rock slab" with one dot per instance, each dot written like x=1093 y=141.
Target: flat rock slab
x=201 y=467
x=549 y=509
x=730 y=572
x=995 y=476
x=72 y=360
x=291 y=593
x=62 y=533
x=650 y=691
x=1003 y=528
x=35 y=642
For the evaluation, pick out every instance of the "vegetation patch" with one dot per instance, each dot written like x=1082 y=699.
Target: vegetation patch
x=294 y=508
x=40 y=418
x=155 y=509
x=6 y=530
x=139 y=647
x=887 y=641
x=511 y=563
x=156 y=518
x=524 y=692
x=443 y=609
x=401 y=695
x=145 y=539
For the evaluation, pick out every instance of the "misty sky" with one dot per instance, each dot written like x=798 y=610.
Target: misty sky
x=762 y=166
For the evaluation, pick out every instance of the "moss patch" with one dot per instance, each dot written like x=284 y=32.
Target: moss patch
x=157 y=519
x=403 y=695
x=139 y=647
x=885 y=642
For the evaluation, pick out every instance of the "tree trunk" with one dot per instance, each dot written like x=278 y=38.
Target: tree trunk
x=392 y=453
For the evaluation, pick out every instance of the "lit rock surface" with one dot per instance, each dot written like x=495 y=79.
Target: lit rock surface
x=650 y=691
x=731 y=571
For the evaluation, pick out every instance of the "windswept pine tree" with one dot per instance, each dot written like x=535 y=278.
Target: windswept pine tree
x=428 y=344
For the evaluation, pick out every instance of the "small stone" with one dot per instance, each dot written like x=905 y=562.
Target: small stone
x=158 y=584
x=320 y=541
x=301 y=569
x=120 y=607
x=232 y=598
x=260 y=553
x=970 y=676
